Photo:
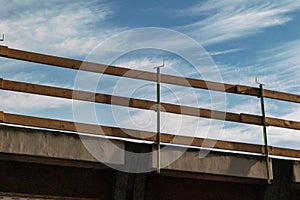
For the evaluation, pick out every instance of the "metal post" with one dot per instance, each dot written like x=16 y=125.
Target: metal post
x=262 y=104
x=158 y=114
x=2 y=38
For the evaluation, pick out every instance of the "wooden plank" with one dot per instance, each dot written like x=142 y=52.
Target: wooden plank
x=142 y=75
x=143 y=104
x=293 y=153
x=270 y=121
x=282 y=96
x=242 y=89
x=144 y=135
x=251 y=119
x=283 y=123
x=125 y=133
x=4 y=51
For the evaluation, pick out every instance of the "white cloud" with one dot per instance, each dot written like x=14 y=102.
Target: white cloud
x=242 y=133
x=293 y=113
x=239 y=74
x=284 y=137
x=162 y=39
x=221 y=21
x=224 y=52
x=245 y=105
x=18 y=102
x=172 y=65
x=66 y=28
x=282 y=66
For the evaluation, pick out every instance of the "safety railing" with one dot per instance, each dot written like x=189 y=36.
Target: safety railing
x=143 y=104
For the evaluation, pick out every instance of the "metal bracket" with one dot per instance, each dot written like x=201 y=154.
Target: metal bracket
x=158 y=113
x=257 y=81
x=262 y=104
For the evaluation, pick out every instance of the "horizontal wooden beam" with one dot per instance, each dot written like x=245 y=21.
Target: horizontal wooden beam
x=142 y=75
x=142 y=104
x=142 y=135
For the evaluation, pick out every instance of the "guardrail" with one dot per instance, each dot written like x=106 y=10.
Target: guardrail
x=142 y=104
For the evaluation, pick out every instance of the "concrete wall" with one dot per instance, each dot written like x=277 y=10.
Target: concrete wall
x=56 y=165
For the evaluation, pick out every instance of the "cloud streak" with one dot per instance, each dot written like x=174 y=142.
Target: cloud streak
x=282 y=66
x=221 y=21
x=18 y=102
x=59 y=27
x=224 y=52
x=72 y=29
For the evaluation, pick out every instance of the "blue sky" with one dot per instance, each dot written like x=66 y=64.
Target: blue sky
x=244 y=38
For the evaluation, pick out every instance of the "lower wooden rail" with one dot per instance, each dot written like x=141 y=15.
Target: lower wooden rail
x=8 y=118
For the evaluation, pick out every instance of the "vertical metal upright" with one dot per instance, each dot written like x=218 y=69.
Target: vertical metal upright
x=262 y=104
x=2 y=38
x=158 y=114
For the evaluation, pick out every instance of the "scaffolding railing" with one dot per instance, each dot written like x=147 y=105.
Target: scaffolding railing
x=119 y=132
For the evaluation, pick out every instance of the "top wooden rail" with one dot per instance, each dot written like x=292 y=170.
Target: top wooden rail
x=142 y=75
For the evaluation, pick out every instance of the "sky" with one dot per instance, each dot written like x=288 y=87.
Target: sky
x=241 y=40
